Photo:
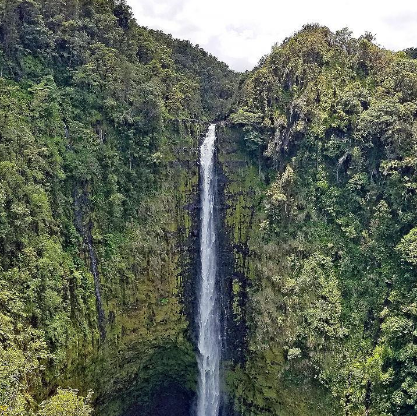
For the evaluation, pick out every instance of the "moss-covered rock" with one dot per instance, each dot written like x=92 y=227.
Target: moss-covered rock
x=259 y=377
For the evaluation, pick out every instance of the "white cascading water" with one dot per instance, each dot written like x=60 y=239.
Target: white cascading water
x=209 y=339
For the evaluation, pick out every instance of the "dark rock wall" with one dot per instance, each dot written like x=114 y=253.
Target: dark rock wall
x=238 y=198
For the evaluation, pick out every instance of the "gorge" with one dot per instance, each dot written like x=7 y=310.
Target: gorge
x=154 y=263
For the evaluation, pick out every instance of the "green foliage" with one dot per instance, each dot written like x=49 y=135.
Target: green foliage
x=66 y=403
x=408 y=247
x=97 y=115
x=95 y=112
x=333 y=246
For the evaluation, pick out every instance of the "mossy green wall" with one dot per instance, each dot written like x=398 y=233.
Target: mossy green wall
x=145 y=274
x=260 y=381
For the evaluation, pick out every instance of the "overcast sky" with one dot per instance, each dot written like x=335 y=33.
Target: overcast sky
x=240 y=32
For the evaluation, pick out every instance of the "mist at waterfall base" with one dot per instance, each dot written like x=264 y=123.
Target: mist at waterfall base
x=208 y=321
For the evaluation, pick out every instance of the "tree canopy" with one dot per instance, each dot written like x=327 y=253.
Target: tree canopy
x=335 y=120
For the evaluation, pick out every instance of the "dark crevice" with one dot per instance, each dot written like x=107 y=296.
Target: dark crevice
x=84 y=227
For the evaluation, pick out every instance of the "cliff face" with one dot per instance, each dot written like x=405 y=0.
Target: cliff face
x=148 y=359
x=100 y=121
x=238 y=197
x=330 y=123
x=239 y=191
x=258 y=379
x=100 y=125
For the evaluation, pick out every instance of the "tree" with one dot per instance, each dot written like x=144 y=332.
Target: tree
x=66 y=402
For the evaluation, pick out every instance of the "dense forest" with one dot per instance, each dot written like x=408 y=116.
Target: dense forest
x=331 y=123
x=100 y=123
x=95 y=113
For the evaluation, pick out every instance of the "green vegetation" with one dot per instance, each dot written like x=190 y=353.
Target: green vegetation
x=99 y=127
x=331 y=121
x=99 y=121
x=65 y=403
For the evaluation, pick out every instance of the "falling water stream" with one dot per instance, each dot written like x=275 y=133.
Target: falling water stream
x=209 y=339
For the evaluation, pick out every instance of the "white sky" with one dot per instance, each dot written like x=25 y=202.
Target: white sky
x=240 y=32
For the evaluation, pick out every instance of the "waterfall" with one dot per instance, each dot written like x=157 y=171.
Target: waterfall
x=209 y=338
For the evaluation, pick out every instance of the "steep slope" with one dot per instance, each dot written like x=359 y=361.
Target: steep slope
x=99 y=127
x=326 y=127
x=100 y=121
